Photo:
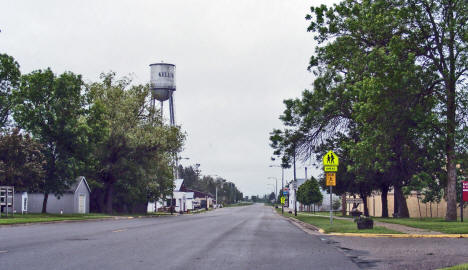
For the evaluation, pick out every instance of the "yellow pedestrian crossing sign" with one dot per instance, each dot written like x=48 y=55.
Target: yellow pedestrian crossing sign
x=283 y=199
x=330 y=159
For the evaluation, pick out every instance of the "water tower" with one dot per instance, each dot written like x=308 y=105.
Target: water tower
x=162 y=83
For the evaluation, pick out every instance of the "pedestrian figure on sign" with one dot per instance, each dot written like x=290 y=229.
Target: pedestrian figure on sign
x=328 y=158
x=332 y=159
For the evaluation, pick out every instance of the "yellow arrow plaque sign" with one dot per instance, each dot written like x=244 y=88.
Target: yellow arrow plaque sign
x=330 y=159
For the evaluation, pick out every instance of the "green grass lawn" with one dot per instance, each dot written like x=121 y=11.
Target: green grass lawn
x=457 y=267
x=33 y=218
x=432 y=224
x=339 y=225
x=325 y=213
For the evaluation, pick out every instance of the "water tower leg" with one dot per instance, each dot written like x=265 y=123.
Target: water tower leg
x=171 y=110
x=162 y=109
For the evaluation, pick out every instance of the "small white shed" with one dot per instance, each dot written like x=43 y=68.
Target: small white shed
x=75 y=200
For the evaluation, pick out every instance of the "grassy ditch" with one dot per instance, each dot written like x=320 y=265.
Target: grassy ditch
x=338 y=226
x=431 y=224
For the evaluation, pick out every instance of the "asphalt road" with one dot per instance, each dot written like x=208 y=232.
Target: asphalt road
x=251 y=237
x=403 y=253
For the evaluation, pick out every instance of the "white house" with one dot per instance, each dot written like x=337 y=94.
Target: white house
x=292 y=193
x=183 y=199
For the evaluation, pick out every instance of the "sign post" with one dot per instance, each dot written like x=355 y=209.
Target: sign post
x=330 y=166
x=465 y=191
x=464 y=198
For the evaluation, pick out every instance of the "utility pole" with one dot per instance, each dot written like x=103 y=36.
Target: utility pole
x=282 y=184
x=295 y=183
x=197 y=171
x=282 y=188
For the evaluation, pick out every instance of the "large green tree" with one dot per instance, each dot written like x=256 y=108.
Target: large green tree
x=9 y=80
x=430 y=35
x=52 y=109
x=309 y=192
x=21 y=162
x=438 y=35
x=372 y=95
x=133 y=154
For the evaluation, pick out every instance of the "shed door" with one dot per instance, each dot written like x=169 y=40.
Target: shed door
x=82 y=204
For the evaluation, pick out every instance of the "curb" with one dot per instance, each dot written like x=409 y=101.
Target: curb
x=367 y=235
x=304 y=226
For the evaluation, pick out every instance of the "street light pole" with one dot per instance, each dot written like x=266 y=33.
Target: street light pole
x=282 y=184
x=276 y=187
x=282 y=188
x=295 y=184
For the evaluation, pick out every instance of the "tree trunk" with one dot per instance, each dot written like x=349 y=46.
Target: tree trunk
x=343 y=204
x=364 y=201
x=44 y=203
x=451 y=214
x=402 y=206
x=100 y=201
x=430 y=207
x=450 y=87
x=419 y=207
x=384 y=199
x=109 y=196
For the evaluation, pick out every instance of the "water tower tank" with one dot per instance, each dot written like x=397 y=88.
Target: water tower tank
x=162 y=80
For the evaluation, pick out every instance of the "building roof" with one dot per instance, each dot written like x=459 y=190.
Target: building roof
x=199 y=194
x=76 y=183
x=300 y=181
x=178 y=184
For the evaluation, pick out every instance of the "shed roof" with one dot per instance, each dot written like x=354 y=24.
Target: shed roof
x=76 y=183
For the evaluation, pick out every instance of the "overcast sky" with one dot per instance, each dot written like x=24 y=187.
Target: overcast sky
x=236 y=61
